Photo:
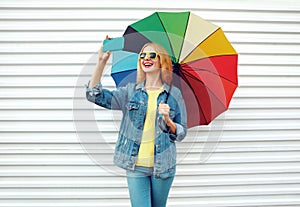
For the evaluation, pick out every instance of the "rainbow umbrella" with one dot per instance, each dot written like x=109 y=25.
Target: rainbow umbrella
x=204 y=61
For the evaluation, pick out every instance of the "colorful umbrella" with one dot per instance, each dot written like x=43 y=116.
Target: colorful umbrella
x=204 y=62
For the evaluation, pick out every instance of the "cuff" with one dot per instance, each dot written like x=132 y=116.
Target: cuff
x=95 y=90
x=180 y=133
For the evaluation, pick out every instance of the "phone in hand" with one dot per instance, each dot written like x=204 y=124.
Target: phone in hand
x=113 y=44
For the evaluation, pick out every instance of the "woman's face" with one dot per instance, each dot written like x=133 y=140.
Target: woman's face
x=150 y=64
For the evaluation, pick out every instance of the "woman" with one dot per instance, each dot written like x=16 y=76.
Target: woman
x=147 y=153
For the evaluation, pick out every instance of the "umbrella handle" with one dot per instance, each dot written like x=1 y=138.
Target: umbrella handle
x=162 y=125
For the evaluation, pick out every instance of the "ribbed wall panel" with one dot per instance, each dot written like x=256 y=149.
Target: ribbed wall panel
x=249 y=156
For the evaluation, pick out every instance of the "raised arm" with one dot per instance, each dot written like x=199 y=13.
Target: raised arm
x=98 y=71
x=110 y=99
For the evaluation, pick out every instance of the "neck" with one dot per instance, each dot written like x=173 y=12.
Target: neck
x=153 y=82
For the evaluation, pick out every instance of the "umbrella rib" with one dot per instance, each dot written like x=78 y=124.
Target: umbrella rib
x=187 y=22
x=166 y=34
x=141 y=35
x=191 y=76
x=119 y=72
x=216 y=74
x=200 y=44
x=188 y=83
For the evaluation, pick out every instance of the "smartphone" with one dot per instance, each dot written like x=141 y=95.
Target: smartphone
x=113 y=44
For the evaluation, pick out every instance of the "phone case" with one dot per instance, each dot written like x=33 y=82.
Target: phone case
x=113 y=44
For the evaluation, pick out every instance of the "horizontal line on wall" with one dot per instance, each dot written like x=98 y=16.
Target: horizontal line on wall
x=74 y=30
x=109 y=119
x=137 y=19
x=92 y=53
x=182 y=9
x=122 y=30
x=97 y=41
x=109 y=131
x=94 y=64
x=69 y=164
x=179 y=151
x=82 y=86
x=77 y=76
x=78 y=98
x=121 y=186
x=239 y=75
x=93 y=165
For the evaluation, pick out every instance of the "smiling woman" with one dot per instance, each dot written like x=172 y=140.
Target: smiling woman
x=46 y=52
x=154 y=56
x=147 y=153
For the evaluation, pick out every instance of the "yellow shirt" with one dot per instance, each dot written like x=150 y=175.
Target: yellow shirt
x=146 y=152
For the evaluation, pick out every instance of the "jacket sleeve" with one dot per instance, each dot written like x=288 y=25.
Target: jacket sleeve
x=180 y=120
x=114 y=99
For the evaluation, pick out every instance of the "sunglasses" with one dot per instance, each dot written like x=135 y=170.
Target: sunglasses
x=151 y=55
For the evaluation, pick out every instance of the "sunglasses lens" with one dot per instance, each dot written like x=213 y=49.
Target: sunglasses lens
x=152 y=55
x=142 y=55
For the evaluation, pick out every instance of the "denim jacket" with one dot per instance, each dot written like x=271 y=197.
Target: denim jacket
x=132 y=101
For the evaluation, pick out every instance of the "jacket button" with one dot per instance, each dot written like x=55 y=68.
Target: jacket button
x=158 y=162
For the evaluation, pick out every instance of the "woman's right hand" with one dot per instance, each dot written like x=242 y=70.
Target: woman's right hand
x=103 y=56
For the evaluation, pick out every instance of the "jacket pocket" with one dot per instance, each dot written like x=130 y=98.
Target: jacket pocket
x=132 y=109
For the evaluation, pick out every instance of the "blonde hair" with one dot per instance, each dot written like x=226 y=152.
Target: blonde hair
x=165 y=63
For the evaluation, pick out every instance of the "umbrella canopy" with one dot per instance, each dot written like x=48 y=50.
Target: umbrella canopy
x=204 y=61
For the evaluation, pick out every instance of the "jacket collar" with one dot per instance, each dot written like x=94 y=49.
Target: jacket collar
x=141 y=86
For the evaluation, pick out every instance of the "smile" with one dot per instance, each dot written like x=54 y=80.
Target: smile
x=147 y=64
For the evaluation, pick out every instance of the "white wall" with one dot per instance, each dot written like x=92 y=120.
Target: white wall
x=45 y=51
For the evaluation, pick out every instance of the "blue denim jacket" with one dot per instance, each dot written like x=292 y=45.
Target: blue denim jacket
x=132 y=101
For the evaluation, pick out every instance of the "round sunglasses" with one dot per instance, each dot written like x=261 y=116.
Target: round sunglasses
x=151 y=55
